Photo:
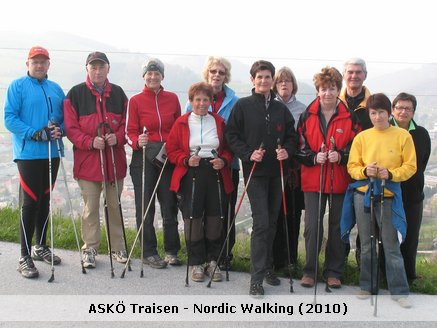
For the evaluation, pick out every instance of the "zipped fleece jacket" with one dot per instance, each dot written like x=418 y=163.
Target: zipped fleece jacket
x=251 y=124
x=155 y=111
x=178 y=149
x=29 y=106
x=342 y=128
x=84 y=111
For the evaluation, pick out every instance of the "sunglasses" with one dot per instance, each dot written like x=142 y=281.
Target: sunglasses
x=215 y=71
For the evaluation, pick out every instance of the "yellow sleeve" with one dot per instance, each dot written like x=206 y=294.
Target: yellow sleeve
x=408 y=154
x=355 y=164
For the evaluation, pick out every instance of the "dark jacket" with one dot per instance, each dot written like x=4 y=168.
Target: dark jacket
x=251 y=124
x=342 y=128
x=412 y=189
x=84 y=110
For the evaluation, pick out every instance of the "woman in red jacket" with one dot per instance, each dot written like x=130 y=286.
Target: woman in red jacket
x=197 y=147
x=151 y=115
x=326 y=130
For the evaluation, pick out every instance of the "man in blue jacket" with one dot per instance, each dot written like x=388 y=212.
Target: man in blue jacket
x=34 y=114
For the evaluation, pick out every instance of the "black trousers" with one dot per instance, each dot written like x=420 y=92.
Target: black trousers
x=167 y=202
x=265 y=199
x=35 y=200
x=413 y=212
x=203 y=222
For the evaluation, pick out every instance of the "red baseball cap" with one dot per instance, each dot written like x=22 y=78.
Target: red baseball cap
x=38 y=51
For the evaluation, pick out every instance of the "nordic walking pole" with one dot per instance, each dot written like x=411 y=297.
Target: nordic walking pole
x=105 y=201
x=381 y=218
x=228 y=226
x=118 y=197
x=319 y=218
x=261 y=146
x=143 y=194
x=331 y=182
x=193 y=188
x=140 y=229
x=284 y=206
x=70 y=203
x=372 y=235
x=52 y=277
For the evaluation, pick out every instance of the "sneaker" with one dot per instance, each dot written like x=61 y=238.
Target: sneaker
x=155 y=261
x=89 y=257
x=43 y=253
x=172 y=259
x=210 y=269
x=363 y=294
x=334 y=282
x=256 y=290
x=271 y=278
x=404 y=302
x=197 y=273
x=307 y=282
x=27 y=268
x=119 y=256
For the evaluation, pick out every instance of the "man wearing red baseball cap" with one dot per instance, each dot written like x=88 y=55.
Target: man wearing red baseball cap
x=34 y=115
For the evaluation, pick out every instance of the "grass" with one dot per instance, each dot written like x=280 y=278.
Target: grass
x=65 y=238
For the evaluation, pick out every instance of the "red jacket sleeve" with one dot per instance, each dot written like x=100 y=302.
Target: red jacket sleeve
x=80 y=139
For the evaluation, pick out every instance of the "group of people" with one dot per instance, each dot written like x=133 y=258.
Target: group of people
x=358 y=153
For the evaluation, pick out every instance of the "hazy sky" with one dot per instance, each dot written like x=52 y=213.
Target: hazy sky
x=382 y=30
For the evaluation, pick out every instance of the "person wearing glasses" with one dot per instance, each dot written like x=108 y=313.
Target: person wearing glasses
x=217 y=73
x=403 y=109
x=258 y=123
x=34 y=115
x=382 y=153
x=285 y=87
x=326 y=130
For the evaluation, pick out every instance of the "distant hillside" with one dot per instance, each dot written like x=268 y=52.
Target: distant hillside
x=68 y=53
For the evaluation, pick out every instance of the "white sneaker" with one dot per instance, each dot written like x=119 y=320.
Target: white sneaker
x=404 y=302
x=89 y=260
x=119 y=256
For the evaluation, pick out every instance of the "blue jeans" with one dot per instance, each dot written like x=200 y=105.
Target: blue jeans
x=394 y=263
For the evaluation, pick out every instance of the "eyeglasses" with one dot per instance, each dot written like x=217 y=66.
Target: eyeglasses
x=406 y=109
x=215 y=71
x=283 y=81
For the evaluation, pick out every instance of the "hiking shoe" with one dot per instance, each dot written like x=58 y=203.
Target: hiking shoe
x=307 y=282
x=256 y=290
x=197 y=273
x=271 y=278
x=89 y=257
x=172 y=259
x=27 y=268
x=210 y=269
x=43 y=253
x=155 y=261
x=363 y=294
x=404 y=302
x=119 y=256
x=334 y=282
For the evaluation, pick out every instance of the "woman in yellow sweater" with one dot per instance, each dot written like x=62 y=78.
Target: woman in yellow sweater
x=387 y=153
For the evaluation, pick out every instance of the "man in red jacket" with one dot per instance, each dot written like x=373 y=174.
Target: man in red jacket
x=95 y=114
